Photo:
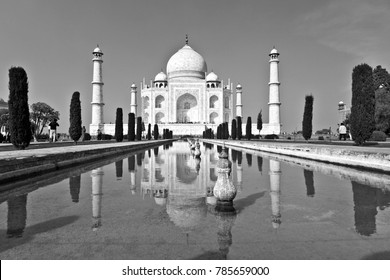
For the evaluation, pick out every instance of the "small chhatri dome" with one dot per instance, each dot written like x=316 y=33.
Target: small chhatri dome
x=274 y=51
x=211 y=77
x=238 y=86
x=186 y=63
x=341 y=103
x=160 y=77
x=133 y=86
x=97 y=50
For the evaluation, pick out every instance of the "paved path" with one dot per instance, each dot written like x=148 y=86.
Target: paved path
x=45 y=149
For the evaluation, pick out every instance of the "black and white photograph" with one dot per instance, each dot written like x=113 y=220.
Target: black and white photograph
x=192 y=139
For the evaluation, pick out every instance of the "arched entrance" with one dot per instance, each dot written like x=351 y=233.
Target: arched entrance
x=159 y=117
x=187 y=109
x=213 y=117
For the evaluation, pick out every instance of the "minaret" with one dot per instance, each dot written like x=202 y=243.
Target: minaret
x=97 y=92
x=133 y=99
x=97 y=193
x=238 y=101
x=274 y=178
x=274 y=96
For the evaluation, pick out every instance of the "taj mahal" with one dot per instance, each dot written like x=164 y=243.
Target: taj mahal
x=187 y=98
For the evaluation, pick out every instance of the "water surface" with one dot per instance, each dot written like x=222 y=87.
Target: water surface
x=158 y=204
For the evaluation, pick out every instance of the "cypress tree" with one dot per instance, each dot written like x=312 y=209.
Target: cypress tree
x=259 y=122
x=75 y=128
x=155 y=132
x=139 y=128
x=131 y=127
x=363 y=104
x=19 y=115
x=149 y=135
x=307 y=126
x=249 y=128
x=239 y=128
x=119 y=125
x=234 y=129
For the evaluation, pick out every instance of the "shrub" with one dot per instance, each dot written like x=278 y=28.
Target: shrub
x=234 y=129
x=239 y=128
x=378 y=136
x=362 y=119
x=320 y=137
x=119 y=125
x=131 y=127
x=43 y=137
x=271 y=136
x=75 y=129
x=249 y=128
x=87 y=137
x=307 y=127
x=19 y=115
x=139 y=128
x=106 y=137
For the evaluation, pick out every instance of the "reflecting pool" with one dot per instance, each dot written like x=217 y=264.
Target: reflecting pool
x=159 y=204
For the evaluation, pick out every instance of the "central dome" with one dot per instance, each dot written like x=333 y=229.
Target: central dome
x=186 y=63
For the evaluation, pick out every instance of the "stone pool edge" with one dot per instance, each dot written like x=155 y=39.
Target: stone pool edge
x=379 y=162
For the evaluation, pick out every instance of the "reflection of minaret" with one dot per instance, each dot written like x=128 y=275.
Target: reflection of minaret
x=97 y=193
x=74 y=186
x=274 y=178
x=119 y=169
x=17 y=215
x=309 y=181
x=131 y=166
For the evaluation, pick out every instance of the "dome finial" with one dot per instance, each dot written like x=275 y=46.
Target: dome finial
x=186 y=39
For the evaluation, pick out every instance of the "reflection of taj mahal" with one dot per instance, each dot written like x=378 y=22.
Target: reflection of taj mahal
x=186 y=97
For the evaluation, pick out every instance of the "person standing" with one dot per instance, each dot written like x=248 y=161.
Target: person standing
x=83 y=131
x=53 y=130
x=343 y=131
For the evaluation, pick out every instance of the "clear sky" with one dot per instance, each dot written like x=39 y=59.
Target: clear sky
x=319 y=43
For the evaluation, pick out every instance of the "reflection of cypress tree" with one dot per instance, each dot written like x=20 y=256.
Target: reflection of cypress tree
x=309 y=181
x=155 y=150
x=239 y=157
x=248 y=159
x=139 y=159
x=17 y=214
x=234 y=155
x=149 y=154
x=119 y=168
x=364 y=198
x=74 y=186
x=131 y=163
x=219 y=149
x=260 y=164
